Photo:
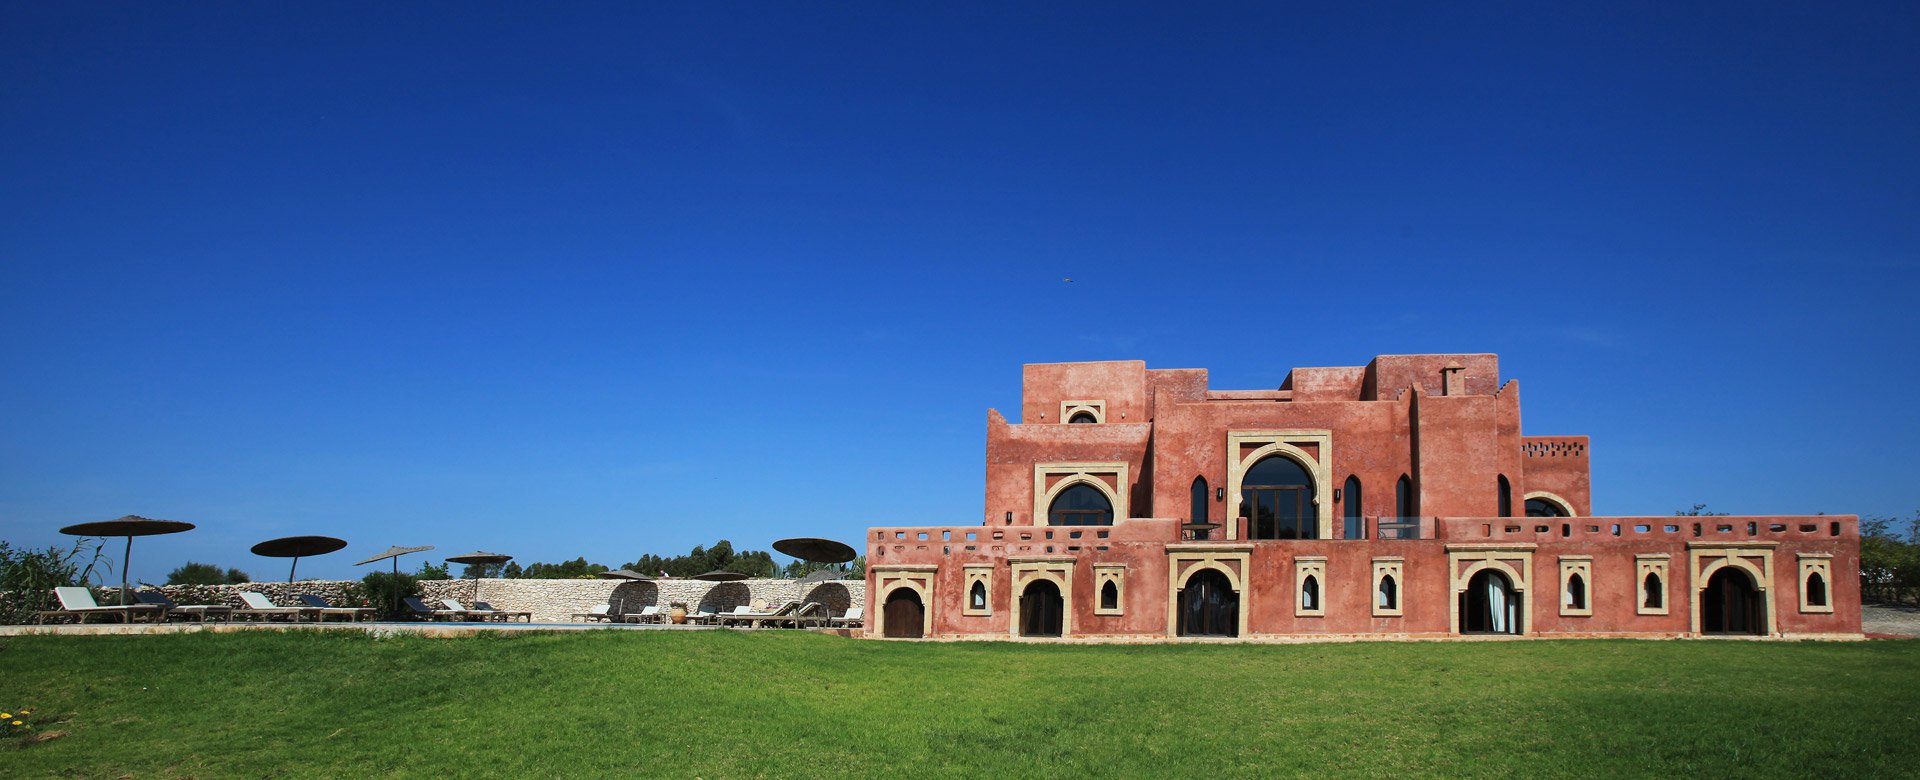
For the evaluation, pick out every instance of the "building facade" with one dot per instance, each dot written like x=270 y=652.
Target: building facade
x=1395 y=499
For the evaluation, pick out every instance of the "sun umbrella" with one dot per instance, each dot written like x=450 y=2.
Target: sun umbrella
x=129 y=526
x=297 y=547
x=395 y=553
x=721 y=576
x=624 y=574
x=822 y=575
x=815 y=550
x=482 y=558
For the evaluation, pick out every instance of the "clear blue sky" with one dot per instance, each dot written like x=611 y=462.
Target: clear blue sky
x=611 y=279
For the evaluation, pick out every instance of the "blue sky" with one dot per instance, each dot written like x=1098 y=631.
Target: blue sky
x=611 y=279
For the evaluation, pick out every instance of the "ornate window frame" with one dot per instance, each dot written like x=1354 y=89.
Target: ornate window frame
x=1096 y=407
x=1581 y=565
x=1115 y=573
x=1515 y=560
x=1087 y=473
x=1305 y=566
x=1184 y=559
x=972 y=573
x=1395 y=567
x=1033 y=568
x=1756 y=558
x=1654 y=564
x=1283 y=442
x=888 y=578
x=1811 y=564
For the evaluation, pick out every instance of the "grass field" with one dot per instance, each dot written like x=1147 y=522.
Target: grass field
x=742 y=704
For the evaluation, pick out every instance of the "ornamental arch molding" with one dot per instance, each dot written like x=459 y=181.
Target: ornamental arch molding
x=1290 y=444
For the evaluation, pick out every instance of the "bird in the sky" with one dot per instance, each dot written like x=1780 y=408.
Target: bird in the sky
x=1068 y=280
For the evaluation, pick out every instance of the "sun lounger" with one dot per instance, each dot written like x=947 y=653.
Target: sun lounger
x=259 y=606
x=645 y=615
x=702 y=618
x=813 y=612
x=849 y=620
x=603 y=612
x=78 y=603
x=318 y=609
x=420 y=610
x=473 y=613
x=170 y=610
x=760 y=619
x=505 y=614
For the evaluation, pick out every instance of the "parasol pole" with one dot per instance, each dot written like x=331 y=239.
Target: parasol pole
x=126 y=559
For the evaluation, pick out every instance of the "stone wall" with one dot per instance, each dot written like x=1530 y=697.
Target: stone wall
x=551 y=601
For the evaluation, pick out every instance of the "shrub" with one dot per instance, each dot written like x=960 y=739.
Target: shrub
x=28 y=577
x=383 y=591
x=191 y=573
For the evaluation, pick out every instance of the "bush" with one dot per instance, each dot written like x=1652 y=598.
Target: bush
x=28 y=577
x=191 y=573
x=383 y=591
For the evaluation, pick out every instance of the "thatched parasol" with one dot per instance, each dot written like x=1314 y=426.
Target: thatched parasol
x=721 y=576
x=297 y=547
x=479 y=557
x=129 y=526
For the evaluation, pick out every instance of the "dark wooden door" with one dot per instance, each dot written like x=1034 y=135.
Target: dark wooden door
x=1041 y=609
x=1731 y=604
x=1208 y=606
x=905 y=616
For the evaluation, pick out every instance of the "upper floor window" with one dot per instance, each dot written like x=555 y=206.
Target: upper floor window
x=1082 y=418
x=1197 y=507
x=1277 y=500
x=1540 y=507
x=1350 y=509
x=1403 y=497
x=1505 y=497
x=1082 y=504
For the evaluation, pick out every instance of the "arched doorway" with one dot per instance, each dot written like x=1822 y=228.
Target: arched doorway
x=1490 y=605
x=905 y=616
x=1041 y=609
x=1731 y=604
x=1208 y=606
x=1277 y=500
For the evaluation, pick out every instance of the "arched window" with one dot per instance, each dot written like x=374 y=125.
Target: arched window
x=977 y=596
x=1506 y=497
x=1082 y=504
x=1388 y=596
x=1310 y=593
x=1540 y=507
x=1277 y=500
x=1197 y=511
x=1816 y=590
x=1081 y=418
x=1356 y=528
x=1652 y=594
x=1109 y=596
x=1403 y=497
x=1576 y=595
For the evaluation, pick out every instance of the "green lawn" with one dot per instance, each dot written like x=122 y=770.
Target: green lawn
x=742 y=704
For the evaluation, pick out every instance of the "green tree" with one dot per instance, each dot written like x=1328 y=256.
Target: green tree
x=428 y=571
x=194 y=573
x=1698 y=510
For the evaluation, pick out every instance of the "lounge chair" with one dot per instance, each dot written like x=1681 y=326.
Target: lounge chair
x=318 y=609
x=760 y=619
x=812 y=612
x=649 y=614
x=849 y=620
x=505 y=614
x=259 y=606
x=702 y=617
x=603 y=612
x=420 y=610
x=170 y=610
x=474 y=613
x=78 y=603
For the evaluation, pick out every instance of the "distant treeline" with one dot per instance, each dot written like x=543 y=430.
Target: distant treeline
x=1890 y=559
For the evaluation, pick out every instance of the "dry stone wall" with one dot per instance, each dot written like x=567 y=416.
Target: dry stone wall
x=552 y=601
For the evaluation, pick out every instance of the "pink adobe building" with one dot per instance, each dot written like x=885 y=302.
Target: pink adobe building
x=1395 y=499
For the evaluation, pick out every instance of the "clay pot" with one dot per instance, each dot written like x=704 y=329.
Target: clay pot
x=678 y=615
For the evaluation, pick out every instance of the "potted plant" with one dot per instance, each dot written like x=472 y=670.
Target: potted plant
x=677 y=611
